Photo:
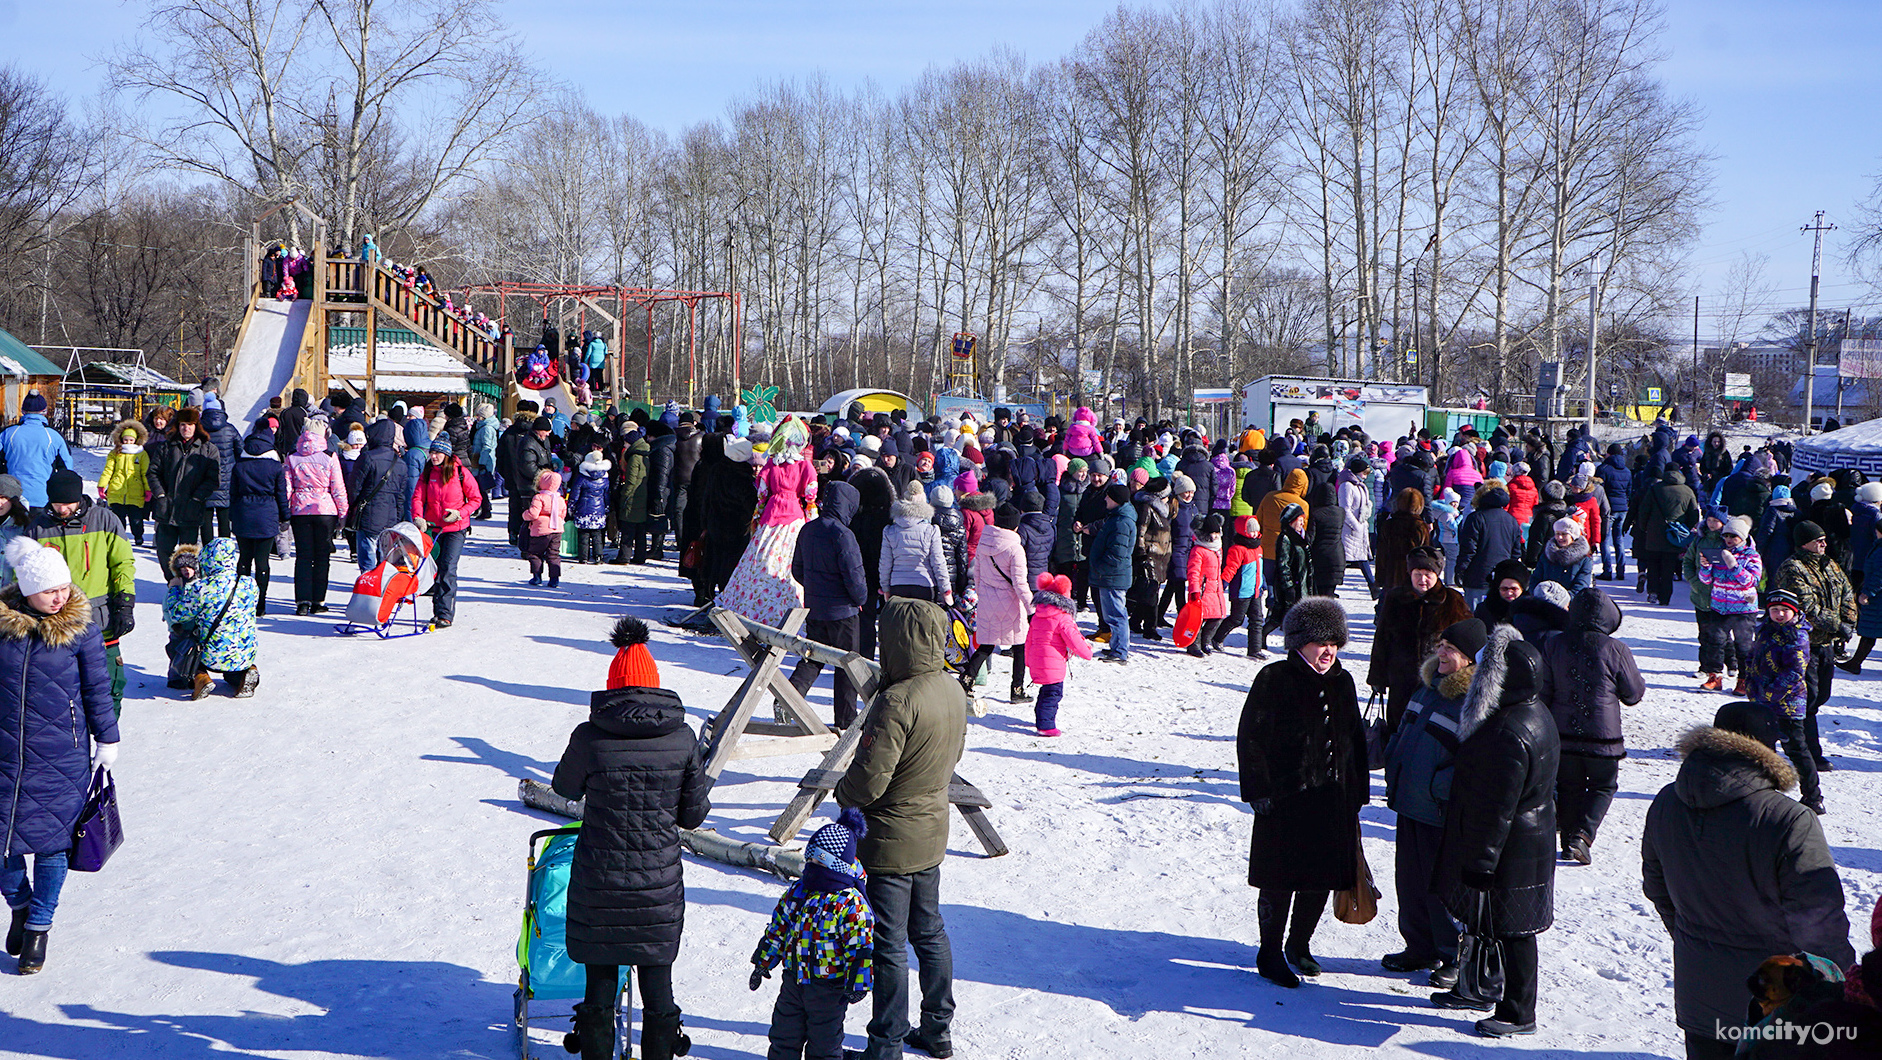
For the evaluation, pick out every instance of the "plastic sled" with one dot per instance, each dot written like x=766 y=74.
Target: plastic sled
x=539 y=375
x=546 y=972
x=385 y=598
x=1188 y=624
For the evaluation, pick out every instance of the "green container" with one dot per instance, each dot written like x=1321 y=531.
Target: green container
x=1445 y=423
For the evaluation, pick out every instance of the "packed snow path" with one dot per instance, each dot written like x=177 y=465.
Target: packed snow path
x=336 y=867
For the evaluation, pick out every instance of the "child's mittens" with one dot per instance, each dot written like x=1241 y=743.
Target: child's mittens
x=855 y=996
x=759 y=973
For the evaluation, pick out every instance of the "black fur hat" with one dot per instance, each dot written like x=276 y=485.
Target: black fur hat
x=1314 y=620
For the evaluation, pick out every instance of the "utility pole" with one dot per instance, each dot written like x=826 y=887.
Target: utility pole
x=1695 y=362
x=1839 y=368
x=1810 y=337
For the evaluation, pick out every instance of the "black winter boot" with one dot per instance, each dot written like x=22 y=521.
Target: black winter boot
x=251 y=679
x=593 y=1036
x=1271 y=914
x=1308 y=905
x=16 y=932
x=32 y=952
x=661 y=1037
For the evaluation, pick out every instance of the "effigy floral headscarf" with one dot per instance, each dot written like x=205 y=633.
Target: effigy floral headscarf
x=789 y=441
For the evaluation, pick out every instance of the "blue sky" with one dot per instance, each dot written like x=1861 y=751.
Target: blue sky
x=1786 y=89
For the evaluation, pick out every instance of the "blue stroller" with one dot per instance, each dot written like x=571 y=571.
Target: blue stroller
x=541 y=952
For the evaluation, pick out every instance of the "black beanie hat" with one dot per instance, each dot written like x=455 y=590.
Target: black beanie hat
x=64 y=487
x=1006 y=517
x=1805 y=532
x=1467 y=636
x=1118 y=492
x=1748 y=719
x=1211 y=524
x=1509 y=568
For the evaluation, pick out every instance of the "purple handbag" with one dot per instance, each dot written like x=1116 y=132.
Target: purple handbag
x=99 y=832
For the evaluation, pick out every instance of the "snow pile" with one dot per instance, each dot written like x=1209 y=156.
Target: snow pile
x=336 y=867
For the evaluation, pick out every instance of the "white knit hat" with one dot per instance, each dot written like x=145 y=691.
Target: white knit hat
x=1568 y=526
x=37 y=567
x=1739 y=525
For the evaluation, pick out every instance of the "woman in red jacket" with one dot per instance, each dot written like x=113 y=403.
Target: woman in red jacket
x=442 y=504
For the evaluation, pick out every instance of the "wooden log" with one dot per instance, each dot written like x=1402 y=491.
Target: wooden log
x=779 y=861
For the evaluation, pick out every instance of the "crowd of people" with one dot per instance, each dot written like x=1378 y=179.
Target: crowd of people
x=1498 y=672
x=1497 y=663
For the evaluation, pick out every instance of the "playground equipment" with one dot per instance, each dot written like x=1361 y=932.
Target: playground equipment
x=282 y=345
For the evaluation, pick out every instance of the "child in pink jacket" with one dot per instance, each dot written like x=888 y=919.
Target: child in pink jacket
x=1051 y=639
x=543 y=518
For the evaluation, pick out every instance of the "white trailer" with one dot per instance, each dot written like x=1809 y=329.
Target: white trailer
x=1383 y=410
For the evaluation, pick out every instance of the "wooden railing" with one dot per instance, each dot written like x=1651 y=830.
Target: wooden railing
x=370 y=283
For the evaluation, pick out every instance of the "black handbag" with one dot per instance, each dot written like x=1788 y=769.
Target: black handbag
x=188 y=660
x=1372 y=723
x=1479 y=953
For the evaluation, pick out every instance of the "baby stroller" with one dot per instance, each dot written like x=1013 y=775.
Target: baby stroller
x=385 y=598
x=541 y=950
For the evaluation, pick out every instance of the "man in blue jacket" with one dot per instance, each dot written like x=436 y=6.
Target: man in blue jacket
x=828 y=563
x=1113 y=540
x=33 y=450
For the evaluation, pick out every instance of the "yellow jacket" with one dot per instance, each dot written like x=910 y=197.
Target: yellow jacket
x=123 y=480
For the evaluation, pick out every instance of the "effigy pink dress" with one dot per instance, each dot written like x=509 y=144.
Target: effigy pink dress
x=761 y=588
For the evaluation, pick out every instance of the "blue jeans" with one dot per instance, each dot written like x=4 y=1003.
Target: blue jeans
x=40 y=898
x=1473 y=597
x=1611 y=546
x=366 y=549
x=1111 y=612
x=445 y=550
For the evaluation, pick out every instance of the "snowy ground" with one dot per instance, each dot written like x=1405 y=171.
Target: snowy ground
x=336 y=867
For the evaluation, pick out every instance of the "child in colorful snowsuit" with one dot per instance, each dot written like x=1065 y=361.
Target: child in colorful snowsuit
x=824 y=934
x=1241 y=577
x=1780 y=653
x=1204 y=577
x=1051 y=639
x=543 y=518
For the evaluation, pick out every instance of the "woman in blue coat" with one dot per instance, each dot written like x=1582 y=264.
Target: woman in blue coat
x=258 y=509
x=53 y=687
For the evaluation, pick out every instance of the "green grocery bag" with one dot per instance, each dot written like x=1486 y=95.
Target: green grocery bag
x=570 y=535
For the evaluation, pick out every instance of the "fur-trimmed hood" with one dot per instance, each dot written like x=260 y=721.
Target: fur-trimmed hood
x=1722 y=767
x=977 y=502
x=910 y=511
x=140 y=434
x=18 y=622
x=1048 y=598
x=1507 y=668
x=1452 y=685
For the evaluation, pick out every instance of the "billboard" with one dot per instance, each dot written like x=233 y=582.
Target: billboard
x=1861 y=358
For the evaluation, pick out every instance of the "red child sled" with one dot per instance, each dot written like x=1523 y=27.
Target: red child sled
x=385 y=598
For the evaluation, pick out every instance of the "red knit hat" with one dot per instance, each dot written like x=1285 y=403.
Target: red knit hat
x=633 y=665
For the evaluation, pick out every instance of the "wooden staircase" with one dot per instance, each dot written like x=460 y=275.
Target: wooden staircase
x=369 y=288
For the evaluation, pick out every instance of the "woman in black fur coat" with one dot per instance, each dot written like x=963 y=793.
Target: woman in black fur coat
x=1302 y=751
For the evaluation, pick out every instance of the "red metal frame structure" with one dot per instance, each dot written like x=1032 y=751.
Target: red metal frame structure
x=592 y=297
